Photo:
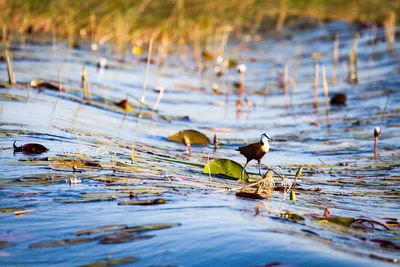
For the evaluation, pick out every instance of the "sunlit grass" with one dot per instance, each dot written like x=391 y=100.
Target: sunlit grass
x=126 y=22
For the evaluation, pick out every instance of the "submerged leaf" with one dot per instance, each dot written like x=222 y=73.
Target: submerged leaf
x=194 y=137
x=6 y=244
x=151 y=227
x=61 y=243
x=101 y=229
x=122 y=238
x=226 y=167
x=111 y=262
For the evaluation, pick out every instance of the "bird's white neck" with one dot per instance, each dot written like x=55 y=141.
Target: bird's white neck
x=265 y=147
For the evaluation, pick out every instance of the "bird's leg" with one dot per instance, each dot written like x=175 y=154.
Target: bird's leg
x=259 y=167
x=243 y=170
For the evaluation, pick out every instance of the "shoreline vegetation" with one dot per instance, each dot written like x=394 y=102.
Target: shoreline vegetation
x=127 y=25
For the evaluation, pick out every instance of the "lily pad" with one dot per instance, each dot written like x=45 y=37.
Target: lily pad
x=101 y=229
x=194 y=137
x=62 y=243
x=226 y=167
x=123 y=237
x=151 y=227
x=6 y=210
x=6 y=244
x=110 y=262
x=252 y=195
x=144 y=202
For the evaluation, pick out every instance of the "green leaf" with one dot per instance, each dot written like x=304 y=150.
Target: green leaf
x=226 y=167
x=344 y=221
x=194 y=137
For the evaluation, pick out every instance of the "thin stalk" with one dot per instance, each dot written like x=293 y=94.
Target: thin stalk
x=328 y=120
x=161 y=93
x=316 y=76
x=147 y=69
x=9 y=68
x=286 y=84
x=84 y=79
x=335 y=57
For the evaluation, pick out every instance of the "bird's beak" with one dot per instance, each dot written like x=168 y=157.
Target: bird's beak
x=271 y=140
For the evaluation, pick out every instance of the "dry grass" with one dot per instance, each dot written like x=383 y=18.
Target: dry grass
x=123 y=23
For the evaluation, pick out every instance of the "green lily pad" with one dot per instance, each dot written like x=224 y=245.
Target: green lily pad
x=110 y=262
x=343 y=221
x=226 y=167
x=194 y=137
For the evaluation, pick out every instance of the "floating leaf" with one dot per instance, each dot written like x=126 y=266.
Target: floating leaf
x=291 y=216
x=111 y=262
x=151 y=227
x=101 y=229
x=86 y=199
x=344 y=221
x=226 y=167
x=194 y=137
x=252 y=195
x=6 y=210
x=143 y=202
x=122 y=238
x=6 y=244
x=62 y=243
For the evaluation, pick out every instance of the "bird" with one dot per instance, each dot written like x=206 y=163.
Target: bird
x=255 y=151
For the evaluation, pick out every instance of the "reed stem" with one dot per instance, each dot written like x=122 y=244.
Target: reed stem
x=9 y=68
x=316 y=77
x=328 y=120
x=335 y=58
x=84 y=79
x=286 y=84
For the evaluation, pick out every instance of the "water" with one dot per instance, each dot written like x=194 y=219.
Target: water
x=216 y=227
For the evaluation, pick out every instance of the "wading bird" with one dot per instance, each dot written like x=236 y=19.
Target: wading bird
x=255 y=151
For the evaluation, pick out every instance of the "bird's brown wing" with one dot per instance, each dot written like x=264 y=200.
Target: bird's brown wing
x=252 y=151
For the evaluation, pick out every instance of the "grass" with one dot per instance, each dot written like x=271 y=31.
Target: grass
x=124 y=22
